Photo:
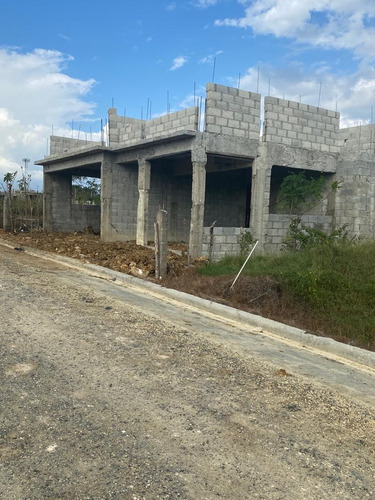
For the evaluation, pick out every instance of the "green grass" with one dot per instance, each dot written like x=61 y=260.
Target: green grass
x=334 y=281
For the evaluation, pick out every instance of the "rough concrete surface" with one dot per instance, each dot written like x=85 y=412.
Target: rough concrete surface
x=102 y=400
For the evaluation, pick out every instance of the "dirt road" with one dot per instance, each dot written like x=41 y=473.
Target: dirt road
x=101 y=400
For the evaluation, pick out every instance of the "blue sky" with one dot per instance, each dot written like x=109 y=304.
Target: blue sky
x=64 y=62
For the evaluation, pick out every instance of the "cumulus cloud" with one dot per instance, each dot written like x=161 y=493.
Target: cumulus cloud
x=337 y=24
x=178 y=62
x=352 y=95
x=36 y=94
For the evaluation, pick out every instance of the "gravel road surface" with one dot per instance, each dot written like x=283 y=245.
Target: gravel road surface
x=104 y=397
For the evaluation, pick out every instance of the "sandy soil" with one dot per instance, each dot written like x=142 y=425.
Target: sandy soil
x=99 y=400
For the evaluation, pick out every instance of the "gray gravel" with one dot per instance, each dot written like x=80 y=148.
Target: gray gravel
x=101 y=400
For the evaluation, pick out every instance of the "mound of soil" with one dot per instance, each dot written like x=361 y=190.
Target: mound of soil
x=126 y=257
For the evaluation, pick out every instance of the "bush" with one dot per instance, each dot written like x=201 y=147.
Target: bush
x=334 y=282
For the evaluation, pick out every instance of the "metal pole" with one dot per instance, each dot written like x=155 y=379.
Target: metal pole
x=320 y=93
x=244 y=264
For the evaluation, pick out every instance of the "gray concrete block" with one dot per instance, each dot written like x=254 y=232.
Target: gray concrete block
x=228 y=114
x=233 y=124
x=239 y=133
x=228 y=98
x=214 y=129
x=227 y=131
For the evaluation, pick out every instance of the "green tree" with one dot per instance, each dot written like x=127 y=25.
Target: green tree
x=299 y=193
x=86 y=190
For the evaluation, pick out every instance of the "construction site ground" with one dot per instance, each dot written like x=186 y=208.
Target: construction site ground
x=108 y=393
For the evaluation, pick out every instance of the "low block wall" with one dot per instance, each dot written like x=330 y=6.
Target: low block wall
x=123 y=130
x=226 y=241
x=84 y=216
x=278 y=224
x=301 y=125
x=60 y=145
x=358 y=139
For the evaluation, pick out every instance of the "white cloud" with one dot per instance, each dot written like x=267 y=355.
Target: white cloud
x=171 y=6
x=178 y=62
x=35 y=94
x=352 y=95
x=206 y=3
x=191 y=99
x=337 y=24
x=209 y=59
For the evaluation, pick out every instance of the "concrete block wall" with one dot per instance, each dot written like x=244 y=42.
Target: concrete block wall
x=83 y=216
x=174 y=194
x=277 y=226
x=61 y=214
x=301 y=125
x=124 y=130
x=60 y=190
x=61 y=145
x=226 y=241
x=124 y=201
x=355 y=201
x=232 y=112
x=179 y=208
x=360 y=139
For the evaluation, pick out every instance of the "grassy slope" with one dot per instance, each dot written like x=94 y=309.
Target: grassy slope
x=334 y=282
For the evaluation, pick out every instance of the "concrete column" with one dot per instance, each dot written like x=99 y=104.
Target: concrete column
x=260 y=195
x=47 y=202
x=144 y=179
x=106 y=226
x=198 y=195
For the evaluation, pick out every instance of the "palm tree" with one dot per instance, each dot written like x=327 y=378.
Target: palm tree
x=9 y=180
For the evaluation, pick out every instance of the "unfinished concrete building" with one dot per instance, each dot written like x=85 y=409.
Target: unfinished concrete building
x=226 y=173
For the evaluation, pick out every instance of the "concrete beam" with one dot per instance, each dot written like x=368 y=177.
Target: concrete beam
x=293 y=157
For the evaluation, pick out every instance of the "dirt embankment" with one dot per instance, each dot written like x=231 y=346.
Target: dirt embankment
x=260 y=295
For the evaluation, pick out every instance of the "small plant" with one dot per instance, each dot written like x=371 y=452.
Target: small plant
x=301 y=236
x=245 y=241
